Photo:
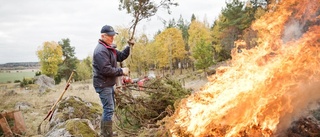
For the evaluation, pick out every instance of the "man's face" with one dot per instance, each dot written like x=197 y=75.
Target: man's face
x=107 y=38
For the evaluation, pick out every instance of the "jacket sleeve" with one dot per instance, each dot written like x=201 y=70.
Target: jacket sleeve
x=105 y=66
x=122 y=55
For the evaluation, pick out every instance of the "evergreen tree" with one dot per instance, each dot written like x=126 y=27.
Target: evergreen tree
x=198 y=33
x=172 y=24
x=69 y=61
x=193 y=17
x=203 y=53
x=236 y=18
x=184 y=26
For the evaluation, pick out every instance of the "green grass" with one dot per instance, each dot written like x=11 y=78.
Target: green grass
x=5 y=77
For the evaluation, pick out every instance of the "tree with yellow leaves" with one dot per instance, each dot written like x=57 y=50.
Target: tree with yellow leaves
x=200 y=45
x=198 y=32
x=220 y=52
x=123 y=36
x=138 y=56
x=50 y=56
x=139 y=60
x=170 y=47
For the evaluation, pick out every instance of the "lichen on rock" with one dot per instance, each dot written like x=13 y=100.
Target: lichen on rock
x=74 y=107
x=73 y=127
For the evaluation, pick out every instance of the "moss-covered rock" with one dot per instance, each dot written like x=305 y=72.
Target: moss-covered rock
x=74 y=107
x=73 y=127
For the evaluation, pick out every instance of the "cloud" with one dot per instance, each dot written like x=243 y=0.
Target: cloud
x=25 y=25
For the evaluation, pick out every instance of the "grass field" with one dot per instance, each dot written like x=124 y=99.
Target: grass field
x=5 y=77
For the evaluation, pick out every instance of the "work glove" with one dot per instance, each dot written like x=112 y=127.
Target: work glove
x=125 y=71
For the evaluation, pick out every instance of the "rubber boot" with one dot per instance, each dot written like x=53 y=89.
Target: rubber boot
x=106 y=129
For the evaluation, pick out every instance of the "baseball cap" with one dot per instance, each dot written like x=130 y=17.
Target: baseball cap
x=109 y=30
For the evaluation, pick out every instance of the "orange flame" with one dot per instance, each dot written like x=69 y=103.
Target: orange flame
x=265 y=88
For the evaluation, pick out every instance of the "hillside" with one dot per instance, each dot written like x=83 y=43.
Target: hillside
x=19 y=65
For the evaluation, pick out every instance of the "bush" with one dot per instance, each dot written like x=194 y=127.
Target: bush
x=16 y=81
x=57 y=79
x=38 y=73
x=26 y=81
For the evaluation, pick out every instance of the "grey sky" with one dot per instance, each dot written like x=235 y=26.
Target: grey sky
x=26 y=24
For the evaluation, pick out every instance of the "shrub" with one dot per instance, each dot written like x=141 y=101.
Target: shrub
x=26 y=81
x=38 y=73
x=16 y=81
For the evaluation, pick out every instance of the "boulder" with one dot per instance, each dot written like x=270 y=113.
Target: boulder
x=73 y=128
x=74 y=107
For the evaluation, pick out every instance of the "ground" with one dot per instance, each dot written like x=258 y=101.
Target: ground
x=196 y=84
x=35 y=106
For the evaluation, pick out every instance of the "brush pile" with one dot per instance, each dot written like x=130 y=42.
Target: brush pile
x=138 y=110
x=307 y=126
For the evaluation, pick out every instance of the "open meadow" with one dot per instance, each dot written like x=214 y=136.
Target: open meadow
x=9 y=76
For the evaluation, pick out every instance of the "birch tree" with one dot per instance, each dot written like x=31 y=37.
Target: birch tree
x=50 y=56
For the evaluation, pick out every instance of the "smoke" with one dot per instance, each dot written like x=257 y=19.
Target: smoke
x=301 y=20
x=304 y=99
x=307 y=95
x=293 y=30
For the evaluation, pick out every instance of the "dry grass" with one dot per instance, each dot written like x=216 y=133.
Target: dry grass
x=40 y=104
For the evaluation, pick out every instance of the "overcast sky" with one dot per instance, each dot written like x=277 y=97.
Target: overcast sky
x=27 y=24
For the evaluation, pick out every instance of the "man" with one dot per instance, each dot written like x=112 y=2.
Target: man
x=105 y=72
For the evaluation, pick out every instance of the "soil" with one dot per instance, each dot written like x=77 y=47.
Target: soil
x=196 y=85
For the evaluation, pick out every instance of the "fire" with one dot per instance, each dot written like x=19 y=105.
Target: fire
x=265 y=88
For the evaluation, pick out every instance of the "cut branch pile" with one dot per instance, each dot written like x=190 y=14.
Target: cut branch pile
x=137 y=110
x=304 y=127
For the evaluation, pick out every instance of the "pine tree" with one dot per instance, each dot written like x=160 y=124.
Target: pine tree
x=69 y=61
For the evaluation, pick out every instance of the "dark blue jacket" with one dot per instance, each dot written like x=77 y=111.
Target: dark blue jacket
x=105 y=70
